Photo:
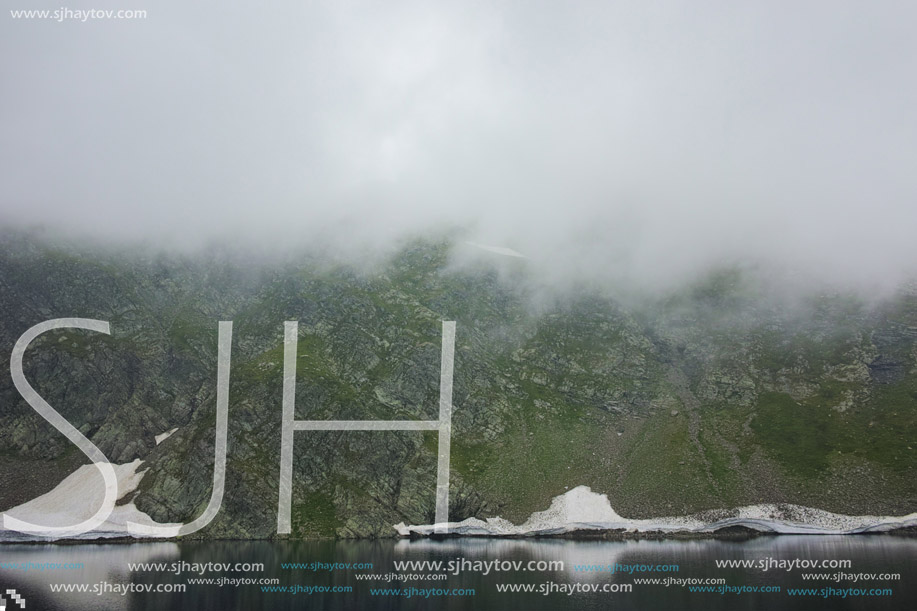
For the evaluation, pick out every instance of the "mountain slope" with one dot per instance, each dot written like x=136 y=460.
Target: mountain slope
x=715 y=395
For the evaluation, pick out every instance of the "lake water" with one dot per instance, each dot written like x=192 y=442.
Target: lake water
x=105 y=567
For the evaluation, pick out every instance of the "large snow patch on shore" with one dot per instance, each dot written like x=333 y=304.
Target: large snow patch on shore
x=583 y=509
x=77 y=498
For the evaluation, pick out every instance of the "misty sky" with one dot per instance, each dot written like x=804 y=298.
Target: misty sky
x=632 y=137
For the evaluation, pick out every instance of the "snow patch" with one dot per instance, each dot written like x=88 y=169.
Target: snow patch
x=583 y=509
x=78 y=497
x=500 y=250
x=163 y=436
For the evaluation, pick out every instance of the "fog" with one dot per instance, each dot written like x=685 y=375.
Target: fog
x=626 y=140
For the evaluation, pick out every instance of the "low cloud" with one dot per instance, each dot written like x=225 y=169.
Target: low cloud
x=617 y=141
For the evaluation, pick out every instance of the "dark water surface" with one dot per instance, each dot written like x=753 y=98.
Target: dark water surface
x=105 y=567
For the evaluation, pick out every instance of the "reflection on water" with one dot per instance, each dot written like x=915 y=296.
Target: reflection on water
x=696 y=559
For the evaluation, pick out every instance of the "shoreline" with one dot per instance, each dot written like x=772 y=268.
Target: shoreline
x=729 y=533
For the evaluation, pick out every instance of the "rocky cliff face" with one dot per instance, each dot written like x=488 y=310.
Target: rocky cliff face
x=712 y=396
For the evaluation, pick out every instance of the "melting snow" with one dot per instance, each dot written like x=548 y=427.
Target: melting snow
x=77 y=498
x=163 y=436
x=583 y=509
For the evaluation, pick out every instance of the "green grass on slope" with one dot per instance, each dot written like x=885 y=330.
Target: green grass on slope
x=797 y=436
x=314 y=516
x=802 y=436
